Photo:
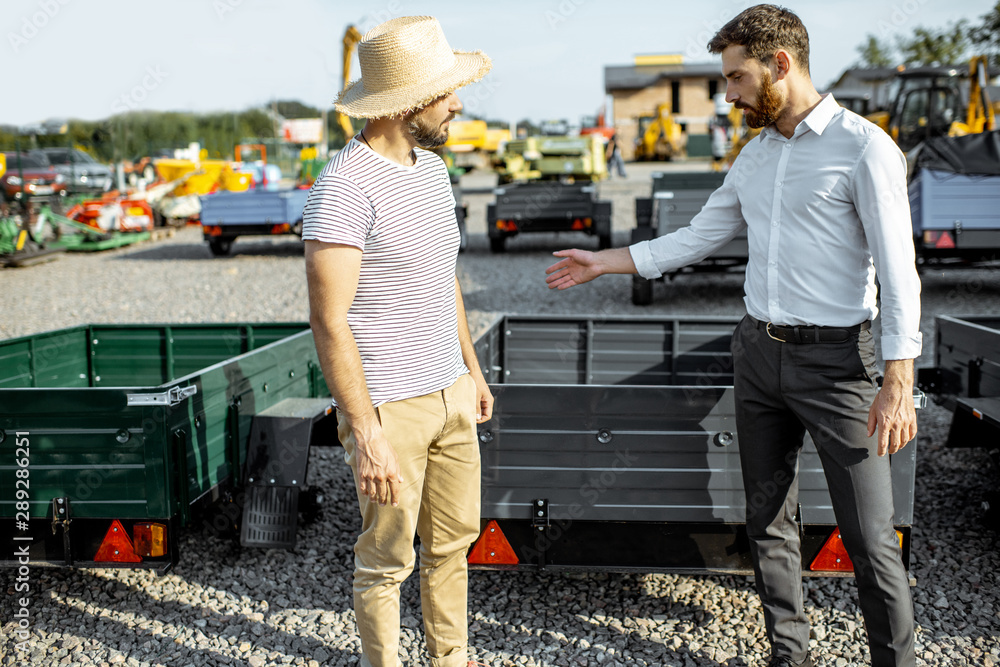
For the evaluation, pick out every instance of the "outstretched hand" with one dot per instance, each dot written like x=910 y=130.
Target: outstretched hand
x=576 y=267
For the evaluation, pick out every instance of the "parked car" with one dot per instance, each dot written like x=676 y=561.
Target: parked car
x=40 y=179
x=82 y=172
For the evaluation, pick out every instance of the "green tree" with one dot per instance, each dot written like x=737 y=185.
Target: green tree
x=986 y=37
x=875 y=53
x=928 y=46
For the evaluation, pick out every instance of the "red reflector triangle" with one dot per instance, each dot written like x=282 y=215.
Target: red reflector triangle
x=833 y=556
x=945 y=241
x=116 y=547
x=492 y=548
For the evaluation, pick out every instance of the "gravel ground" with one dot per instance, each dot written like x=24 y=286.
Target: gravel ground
x=222 y=606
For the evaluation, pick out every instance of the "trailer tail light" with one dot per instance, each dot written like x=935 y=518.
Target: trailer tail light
x=833 y=556
x=939 y=240
x=150 y=539
x=506 y=225
x=283 y=228
x=492 y=548
x=212 y=230
x=581 y=224
x=116 y=547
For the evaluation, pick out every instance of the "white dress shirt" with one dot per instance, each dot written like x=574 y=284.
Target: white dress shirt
x=824 y=210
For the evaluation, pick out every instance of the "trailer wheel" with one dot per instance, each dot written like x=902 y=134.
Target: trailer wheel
x=220 y=247
x=642 y=291
x=460 y=213
x=498 y=244
x=311 y=504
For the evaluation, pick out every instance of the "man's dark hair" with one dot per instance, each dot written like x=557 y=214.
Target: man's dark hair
x=763 y=29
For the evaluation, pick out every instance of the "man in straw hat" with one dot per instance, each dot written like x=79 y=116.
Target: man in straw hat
x=821 y=194
x=390 y=328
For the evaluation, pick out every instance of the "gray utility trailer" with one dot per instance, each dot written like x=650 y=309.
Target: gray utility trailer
x=613 y=445
x=547 y=206
x=675 y=200
x=954 y=194
x=966 y=380
x=258 y=212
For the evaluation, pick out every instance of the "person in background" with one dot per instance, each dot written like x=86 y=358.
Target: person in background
x=613 y=154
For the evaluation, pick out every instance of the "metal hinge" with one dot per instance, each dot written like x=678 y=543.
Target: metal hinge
x=171 y=397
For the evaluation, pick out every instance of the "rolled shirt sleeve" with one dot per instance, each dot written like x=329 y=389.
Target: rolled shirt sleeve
x=718 y=222
x=882 y=204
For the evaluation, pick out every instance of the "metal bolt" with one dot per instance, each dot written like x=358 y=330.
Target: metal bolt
x=115 y=529
x=493 y=553
x=540 y=513
x=265 y=386
x=291 y=374
x=540 y=503
x=251 y=479
x=272 y=481
x=294 y=482
x=493 y=530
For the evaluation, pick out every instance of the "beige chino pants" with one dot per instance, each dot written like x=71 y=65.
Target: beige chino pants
x=436 y=442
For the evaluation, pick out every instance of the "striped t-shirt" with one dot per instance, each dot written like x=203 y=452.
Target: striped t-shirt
x=404 y=316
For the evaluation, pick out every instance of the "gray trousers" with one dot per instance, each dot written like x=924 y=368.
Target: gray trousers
x=783 y=390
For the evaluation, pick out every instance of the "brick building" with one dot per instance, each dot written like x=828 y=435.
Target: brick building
x=637 y=89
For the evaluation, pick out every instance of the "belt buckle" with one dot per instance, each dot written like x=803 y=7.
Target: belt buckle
x=767 y=328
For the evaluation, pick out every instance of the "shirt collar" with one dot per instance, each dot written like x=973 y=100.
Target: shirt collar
x=817 y=120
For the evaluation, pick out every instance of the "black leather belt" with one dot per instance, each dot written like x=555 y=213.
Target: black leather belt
x=801 y=335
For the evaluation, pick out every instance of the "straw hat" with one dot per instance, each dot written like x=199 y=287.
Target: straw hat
x=405 y=64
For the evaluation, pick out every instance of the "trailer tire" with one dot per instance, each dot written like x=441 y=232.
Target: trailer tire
x=498 y=244
x=460 y=213
x=311 y=504
x=642 y=291
x=220 y=247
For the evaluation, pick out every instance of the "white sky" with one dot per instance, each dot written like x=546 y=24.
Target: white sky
x=89 y=59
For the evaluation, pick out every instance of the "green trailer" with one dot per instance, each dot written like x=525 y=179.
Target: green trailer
x=115 y=437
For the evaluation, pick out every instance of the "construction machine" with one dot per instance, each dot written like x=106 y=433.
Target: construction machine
x=351 y=38
x=729 y=134
x=935 y=102
x=660 y=137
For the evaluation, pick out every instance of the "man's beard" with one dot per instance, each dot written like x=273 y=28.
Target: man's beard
x=769 y=104
x=426 y=135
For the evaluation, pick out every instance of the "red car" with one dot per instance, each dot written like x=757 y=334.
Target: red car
x=40 y=179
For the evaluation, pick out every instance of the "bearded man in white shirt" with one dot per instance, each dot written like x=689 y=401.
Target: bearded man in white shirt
x=821 y=194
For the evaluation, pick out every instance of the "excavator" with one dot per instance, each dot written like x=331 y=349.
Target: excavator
x=932 y=102
x=660 y=137
x=351 y=38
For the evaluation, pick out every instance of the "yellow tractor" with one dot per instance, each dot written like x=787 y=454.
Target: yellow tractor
x=935 y=102
x=660 y=137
